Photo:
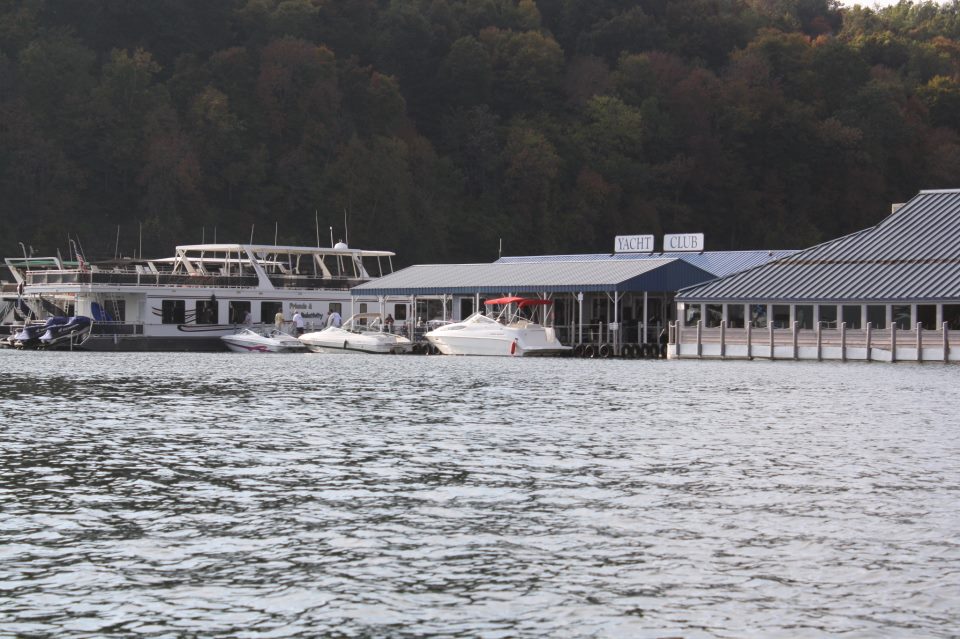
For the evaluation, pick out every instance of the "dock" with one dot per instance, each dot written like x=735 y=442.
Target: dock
x=820 y=344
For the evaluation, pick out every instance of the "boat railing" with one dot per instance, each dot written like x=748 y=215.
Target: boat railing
x=306 y=281
x=117 y=328
x=128 y=277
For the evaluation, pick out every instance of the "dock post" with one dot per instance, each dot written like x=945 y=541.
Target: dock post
x=723 y=339
x=795 y=350
x=893 y=343
x=819 y=341
x=919 y=341
x=749 y=339
x=946 y=344
x=700 y=339
x=772 y=356
x=869 y=334
x=843 y=341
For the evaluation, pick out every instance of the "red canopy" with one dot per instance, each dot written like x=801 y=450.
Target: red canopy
x=519 y=301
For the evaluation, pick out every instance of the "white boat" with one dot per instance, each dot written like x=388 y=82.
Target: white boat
x=248 y=340
x=362 y=333
x=508 y=333
x=189 y=301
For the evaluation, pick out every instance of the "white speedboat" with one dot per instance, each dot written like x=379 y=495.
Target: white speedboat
x=250 y=341
x=507 y=333
x=362 y=333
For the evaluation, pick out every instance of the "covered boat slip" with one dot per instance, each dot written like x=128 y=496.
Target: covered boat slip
x=597 y=299
x=888 y=293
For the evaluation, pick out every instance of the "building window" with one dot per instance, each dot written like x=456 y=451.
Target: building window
x=877 y=316
x=691 y=314
x=901 y=316
x=238 y=311
x=173 y=311
x=714 y=315
x=803 y=316
x=400 y=312
x=335 y=307
x=781 y=316
x=758 y=315
x=269 y=310
x=951 y=315
x=735 y=315
x=927 y=315
x=828 y=316
x=852 y=315
x=207 y=312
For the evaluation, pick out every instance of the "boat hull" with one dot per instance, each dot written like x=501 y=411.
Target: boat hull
x=500 y=343
x=355 y=347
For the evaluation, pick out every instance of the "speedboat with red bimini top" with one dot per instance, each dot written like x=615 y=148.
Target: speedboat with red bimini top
x=506 y=333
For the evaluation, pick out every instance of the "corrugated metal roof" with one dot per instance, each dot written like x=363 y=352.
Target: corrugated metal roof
x=718 y=263
x=912 y=255
x=654 y=275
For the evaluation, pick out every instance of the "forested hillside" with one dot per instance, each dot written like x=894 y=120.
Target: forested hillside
x=436 y=127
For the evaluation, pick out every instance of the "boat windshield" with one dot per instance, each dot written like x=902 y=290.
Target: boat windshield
x=364 y=323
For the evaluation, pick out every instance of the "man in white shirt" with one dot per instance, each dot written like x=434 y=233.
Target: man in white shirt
x=334 y=319
x=298 y=323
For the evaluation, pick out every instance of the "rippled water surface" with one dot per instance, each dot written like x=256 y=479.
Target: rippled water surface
x=222 y=495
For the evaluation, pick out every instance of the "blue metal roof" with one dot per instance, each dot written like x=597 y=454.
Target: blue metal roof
x=717 y=263
x=911 y=256
x=652 y=275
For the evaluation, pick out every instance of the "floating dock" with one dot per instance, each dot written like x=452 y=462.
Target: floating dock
x=836 y=344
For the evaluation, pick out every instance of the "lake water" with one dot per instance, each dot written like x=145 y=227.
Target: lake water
x=223 y=495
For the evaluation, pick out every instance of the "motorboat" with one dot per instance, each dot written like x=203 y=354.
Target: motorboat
x=248 y=340
x=55 y=332
x=66 y=334
x=362 y=333
x=508 y=332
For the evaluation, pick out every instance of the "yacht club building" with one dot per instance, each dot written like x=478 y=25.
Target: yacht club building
x=901 y=275
x=614 y=299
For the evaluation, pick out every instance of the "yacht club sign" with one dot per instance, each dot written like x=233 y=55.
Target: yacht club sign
x=633 y=244
x=671 y=242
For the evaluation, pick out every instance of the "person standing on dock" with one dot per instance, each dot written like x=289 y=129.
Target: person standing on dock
x=278 y=319
x=298 y=324
x=334 y=319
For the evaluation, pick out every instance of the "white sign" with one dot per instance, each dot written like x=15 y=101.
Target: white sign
x=633 y=244
x=683 y=242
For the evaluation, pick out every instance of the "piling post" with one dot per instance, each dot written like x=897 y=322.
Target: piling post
x=919 y=341
x=946 y=344
x=723 y=339
x=819 y=341
x=843 y=341
x=795 y=349
x=770 y=327
x=700 y=339
x=749 y=339
x=869 y=331
x=893 y=343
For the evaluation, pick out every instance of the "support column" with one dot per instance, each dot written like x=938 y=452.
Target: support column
x=893 y=342
x=919 y=341
x=723 y=338
x=580 y=323
x=646 y=315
